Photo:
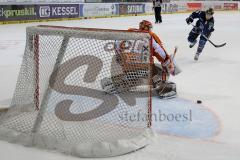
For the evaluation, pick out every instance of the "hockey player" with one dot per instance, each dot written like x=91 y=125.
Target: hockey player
x=159 y=51
x=204 y=27
x=161 y=73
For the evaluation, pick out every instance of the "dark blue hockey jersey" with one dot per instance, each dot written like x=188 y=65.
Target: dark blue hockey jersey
x=207 y=26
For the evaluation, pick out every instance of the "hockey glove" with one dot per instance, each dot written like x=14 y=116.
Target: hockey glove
x=168 y=66
x=212 y=29
x=189 y=20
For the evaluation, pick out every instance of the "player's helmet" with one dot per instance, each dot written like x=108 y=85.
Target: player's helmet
x=145 y=25
x=210 y=11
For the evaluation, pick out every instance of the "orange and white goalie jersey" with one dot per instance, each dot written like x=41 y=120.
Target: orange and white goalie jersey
x=158 y=50
x=133 y=55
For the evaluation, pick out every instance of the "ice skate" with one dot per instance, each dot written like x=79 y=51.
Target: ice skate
x=196 y=57
x=192 y=44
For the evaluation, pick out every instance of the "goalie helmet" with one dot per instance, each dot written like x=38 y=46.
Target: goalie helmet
x=145 y=25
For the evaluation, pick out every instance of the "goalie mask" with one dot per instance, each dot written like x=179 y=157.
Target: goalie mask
x=145 y=25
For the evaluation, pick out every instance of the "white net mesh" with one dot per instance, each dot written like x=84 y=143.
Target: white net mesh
x=62 y=99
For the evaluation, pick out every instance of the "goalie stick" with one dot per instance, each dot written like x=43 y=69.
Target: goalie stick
x=175 y=52
x=176 y=68
x=215 y=45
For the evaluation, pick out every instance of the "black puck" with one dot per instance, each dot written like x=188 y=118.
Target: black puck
x=199 y=101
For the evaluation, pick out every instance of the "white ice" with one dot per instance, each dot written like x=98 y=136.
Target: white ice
x=214 y=79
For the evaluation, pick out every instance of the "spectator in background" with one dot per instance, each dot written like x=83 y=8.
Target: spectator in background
x=157 y=6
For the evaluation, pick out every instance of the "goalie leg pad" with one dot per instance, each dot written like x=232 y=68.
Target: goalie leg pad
x=120 y=83
x=107 y=85
x=114 y=85
x=166 y=89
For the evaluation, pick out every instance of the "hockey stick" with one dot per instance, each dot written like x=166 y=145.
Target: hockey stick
x=215 y=45
x=175 y=52
x=177 y=70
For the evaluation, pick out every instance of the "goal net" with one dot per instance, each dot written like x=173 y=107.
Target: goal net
x=80 y=91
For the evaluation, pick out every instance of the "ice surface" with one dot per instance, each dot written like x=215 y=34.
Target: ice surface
x=214 y=79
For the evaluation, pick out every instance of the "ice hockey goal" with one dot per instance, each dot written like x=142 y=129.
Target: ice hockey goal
x=60 y=103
